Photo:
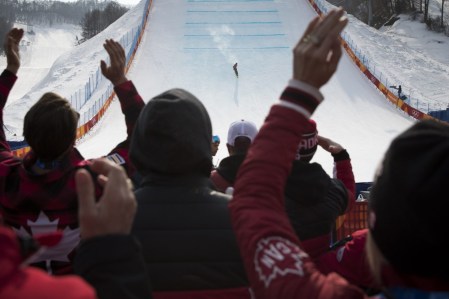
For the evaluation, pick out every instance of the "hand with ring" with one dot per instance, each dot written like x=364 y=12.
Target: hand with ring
x=311 y=39
x=316 y=56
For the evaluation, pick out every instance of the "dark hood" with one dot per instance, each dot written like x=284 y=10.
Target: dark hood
x=172 y=136
x=307 y=184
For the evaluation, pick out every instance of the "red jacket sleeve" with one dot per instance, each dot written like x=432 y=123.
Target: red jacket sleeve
x=276 y=265
x=7 y=80
x=131 y=104
x=349 y=261
x=343 y=172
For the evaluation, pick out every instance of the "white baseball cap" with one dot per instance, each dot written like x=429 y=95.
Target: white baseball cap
x=241 y=128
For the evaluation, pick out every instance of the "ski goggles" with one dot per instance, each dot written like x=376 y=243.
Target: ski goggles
x=215 y=139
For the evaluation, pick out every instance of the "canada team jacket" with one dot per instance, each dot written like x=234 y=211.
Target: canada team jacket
x=103 y=273
x=33 y=204
x=276 y=265
x=275 y=262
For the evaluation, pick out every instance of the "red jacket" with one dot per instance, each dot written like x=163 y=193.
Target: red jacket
x=28 y=282
x=118 y=273
x=276 y=265
x=349 y=261
x=343 y=172
x=34 y=204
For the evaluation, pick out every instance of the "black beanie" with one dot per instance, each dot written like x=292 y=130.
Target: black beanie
x=173 y=136
x=409 y=201
x=309 y=143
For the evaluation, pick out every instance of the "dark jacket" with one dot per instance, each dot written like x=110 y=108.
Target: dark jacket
x=225 y=174
x=183 y=225
x=185 y=230
x=115 y=274
x=313 y=200
x=33 y=203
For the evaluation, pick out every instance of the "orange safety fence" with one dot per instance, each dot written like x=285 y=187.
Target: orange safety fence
x=356 y=219
x=391 y=97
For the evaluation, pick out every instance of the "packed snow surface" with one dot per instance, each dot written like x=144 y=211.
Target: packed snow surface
x=193 y=45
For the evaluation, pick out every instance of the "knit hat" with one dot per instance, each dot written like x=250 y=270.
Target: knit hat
x=241 y=128
x=172 y=136
x=309 y=143
x=409 y=205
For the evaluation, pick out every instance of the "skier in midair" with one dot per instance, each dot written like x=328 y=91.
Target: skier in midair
x=235 y=70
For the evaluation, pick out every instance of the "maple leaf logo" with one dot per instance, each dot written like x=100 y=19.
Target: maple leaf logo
x=276 y=256
x=43 y=225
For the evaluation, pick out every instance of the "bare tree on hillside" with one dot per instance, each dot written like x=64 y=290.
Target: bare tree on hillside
x=442 y=13
x=112 y=12
x=91 y=24
x=426 y=10
x=7 y=17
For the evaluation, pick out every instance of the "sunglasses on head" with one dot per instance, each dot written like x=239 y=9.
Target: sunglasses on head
x=215 y=139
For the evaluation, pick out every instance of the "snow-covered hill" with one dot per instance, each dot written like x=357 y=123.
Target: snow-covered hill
x=193 y=45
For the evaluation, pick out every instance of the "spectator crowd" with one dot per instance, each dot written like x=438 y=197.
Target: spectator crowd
x=154 y=218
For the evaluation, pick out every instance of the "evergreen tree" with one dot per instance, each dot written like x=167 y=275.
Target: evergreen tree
x=97 y=20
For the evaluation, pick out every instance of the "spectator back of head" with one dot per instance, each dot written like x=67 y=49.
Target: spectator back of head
x=309 y=143
x=50 y=126
x=408 y=202
x=173 y=136
x=240 y=136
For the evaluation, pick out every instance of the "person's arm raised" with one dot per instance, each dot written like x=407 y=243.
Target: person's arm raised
x=7 y=80
x=276 y=265
x=343 y=167
x=130 y=100
x=115 y=72
x=329 y=145
x=8 y=77
x=12 y=50
x=318 y=52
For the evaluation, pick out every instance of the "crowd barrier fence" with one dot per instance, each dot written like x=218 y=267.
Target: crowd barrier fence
x=380 y=81
x=89 y=118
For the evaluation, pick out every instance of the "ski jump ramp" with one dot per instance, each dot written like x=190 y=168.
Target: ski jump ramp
x=193 y=44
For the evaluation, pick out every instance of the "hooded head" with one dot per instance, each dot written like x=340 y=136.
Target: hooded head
x=172 y=136
x=409 y=204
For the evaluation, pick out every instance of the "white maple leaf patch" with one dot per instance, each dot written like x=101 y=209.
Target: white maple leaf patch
x=43 y=225
x=277 y=257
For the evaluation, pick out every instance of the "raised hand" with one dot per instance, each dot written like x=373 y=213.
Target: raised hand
x=329 y=145
x=116 y=71
x=114 y=212
x=11 y=47
x=316 y=56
